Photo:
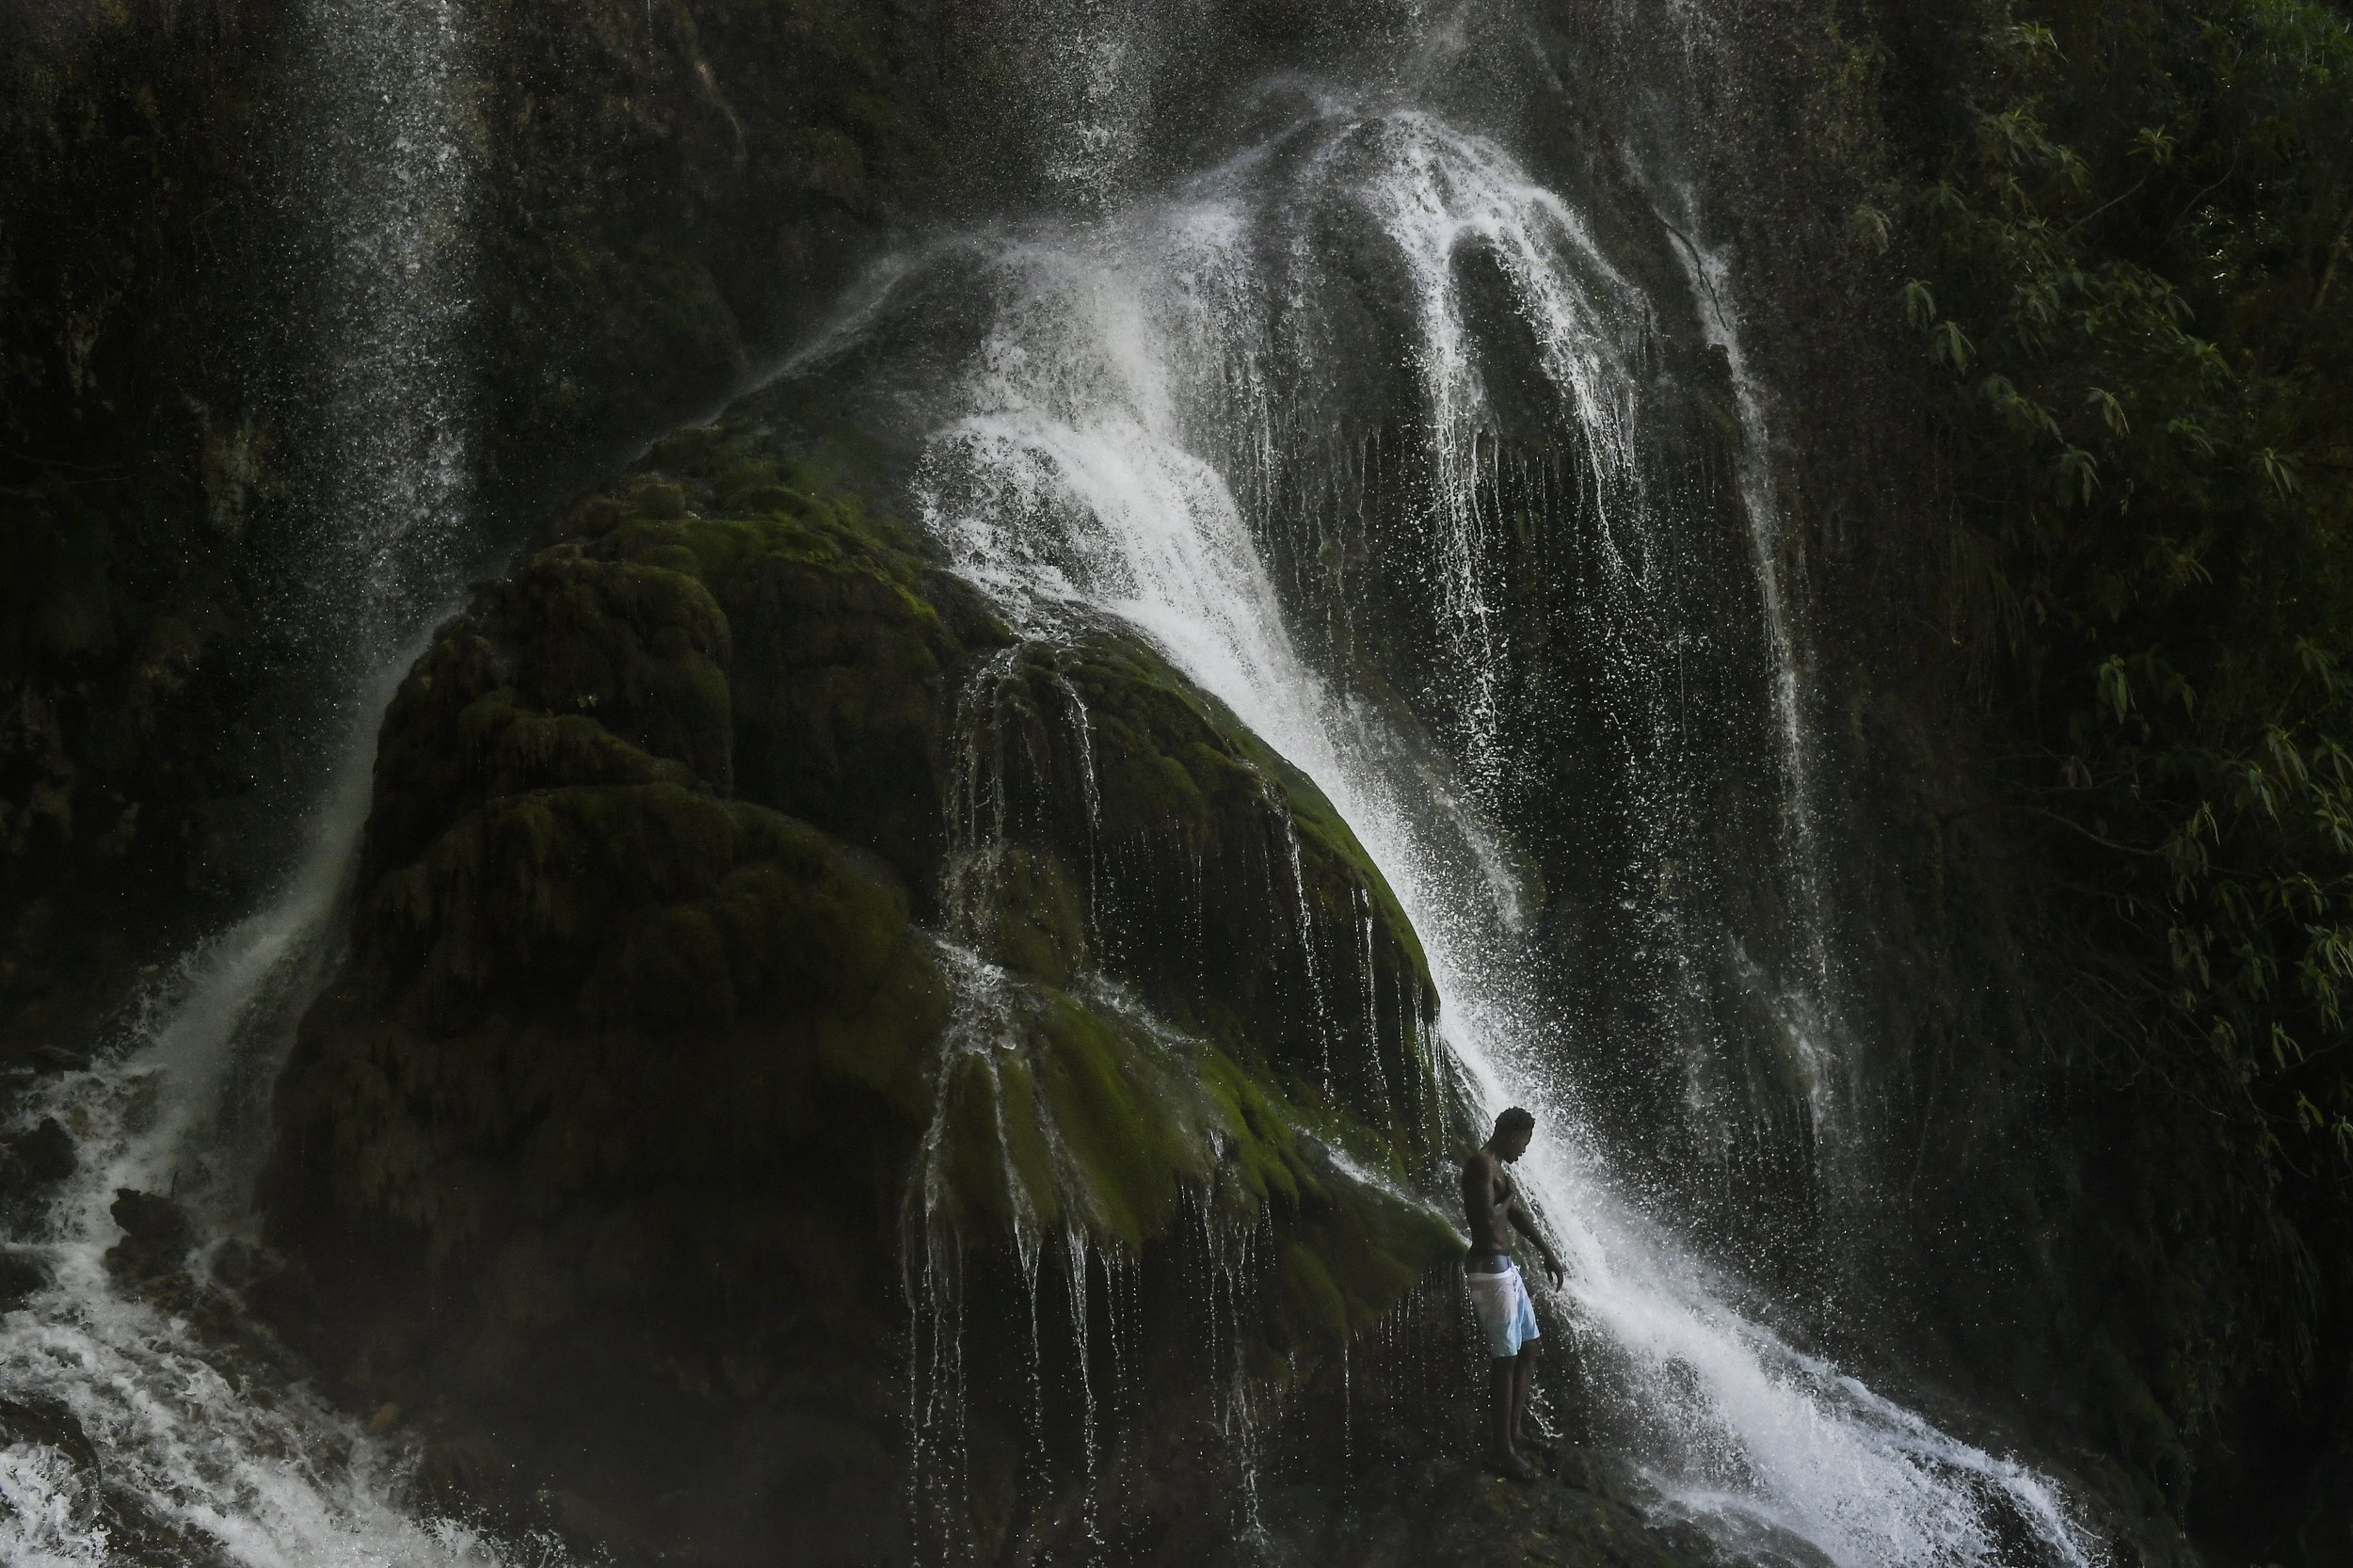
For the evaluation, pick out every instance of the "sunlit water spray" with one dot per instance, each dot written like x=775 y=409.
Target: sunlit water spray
x=1097 y=460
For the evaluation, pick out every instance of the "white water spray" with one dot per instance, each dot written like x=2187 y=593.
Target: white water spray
x=1081 y=472
x=183 y=1448
x=385 y=172
x=153 y=1430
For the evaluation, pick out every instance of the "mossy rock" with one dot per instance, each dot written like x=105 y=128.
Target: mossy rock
x=606 y=985
x=877 y=695
x=740 y=888
x=624 y=794
x=798 y=657
x=1213 y=876
x=1059 y=1111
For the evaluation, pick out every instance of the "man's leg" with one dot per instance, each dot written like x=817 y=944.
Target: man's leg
x=1523 y=1377
x=1504 y=1378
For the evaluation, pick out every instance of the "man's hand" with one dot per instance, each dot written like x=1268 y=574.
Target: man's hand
x=1525 y=1222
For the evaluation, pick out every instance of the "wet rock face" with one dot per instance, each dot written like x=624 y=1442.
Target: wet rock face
x=40 y=1158
x=743 y=902
x=156 y=1235
x=659 y=193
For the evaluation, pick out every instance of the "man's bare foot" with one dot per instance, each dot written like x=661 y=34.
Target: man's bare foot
x=1510 y=1467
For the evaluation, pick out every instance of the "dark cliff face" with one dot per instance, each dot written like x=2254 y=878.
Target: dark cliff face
x=661 y=193
x=134 y=508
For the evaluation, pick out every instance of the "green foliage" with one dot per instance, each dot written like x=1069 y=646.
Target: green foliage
x=2129 y=277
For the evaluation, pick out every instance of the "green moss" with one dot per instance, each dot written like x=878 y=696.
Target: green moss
x=1125 y=1152
x=1034 y=918
x=1311 y=1296
x=603 y=983
x=1028 y=1153
x=975 y=1173
x=1263 y=1148
x=652 y=498
x=1071 y=1109
x=642 y=649
x=658 y=826
x=674 y=974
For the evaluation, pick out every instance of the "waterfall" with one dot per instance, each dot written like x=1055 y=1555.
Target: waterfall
x=383 y=178
x=1114 y=445
x=1173 y=414
x=1816 y=1024
x=193 y=1448
x=186 y=1456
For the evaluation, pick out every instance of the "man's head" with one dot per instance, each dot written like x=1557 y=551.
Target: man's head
x=1513 y=1129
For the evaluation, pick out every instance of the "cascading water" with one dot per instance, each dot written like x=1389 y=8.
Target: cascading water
x=1111 y=447
x=197 y=1451
x=1165 y=422
x=1815 y=1006
x=196 y=1456
x=384 y=178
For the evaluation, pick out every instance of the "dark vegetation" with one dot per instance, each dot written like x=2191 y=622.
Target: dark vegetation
x=2119 y=236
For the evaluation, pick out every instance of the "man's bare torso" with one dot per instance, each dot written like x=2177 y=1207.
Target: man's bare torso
x=1487 y=1198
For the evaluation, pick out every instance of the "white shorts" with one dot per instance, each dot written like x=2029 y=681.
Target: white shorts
x=1507 y=1320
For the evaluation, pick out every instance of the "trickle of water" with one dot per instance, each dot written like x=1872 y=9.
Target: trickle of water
x=1369 y=963
x=1708 y=273
x=1230 y=1253
x=1438 y=193
x=1077 y=1251
x=1316 y=999
x=932 y=1259
x=976 y=795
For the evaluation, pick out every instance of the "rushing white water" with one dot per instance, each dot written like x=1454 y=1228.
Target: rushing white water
x=1098 y=459
x=195 y=1443
x=148 y=1426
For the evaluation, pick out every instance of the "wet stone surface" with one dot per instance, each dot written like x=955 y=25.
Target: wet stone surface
x=753 y=932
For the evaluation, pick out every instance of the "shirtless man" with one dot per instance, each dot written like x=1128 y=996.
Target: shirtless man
x=1498 y=1296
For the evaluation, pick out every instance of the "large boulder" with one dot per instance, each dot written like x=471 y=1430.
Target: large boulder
x=757 y=941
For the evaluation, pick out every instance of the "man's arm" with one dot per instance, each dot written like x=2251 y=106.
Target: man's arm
x=1478 y=1193
x=1525 y=1222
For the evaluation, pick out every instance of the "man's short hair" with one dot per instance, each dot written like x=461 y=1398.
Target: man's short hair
x=1516 y=1120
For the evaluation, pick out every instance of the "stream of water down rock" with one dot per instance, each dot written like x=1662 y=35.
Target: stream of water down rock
x=1138 y=429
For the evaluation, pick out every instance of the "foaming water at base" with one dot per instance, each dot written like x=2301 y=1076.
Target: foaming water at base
x=149 y=1421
